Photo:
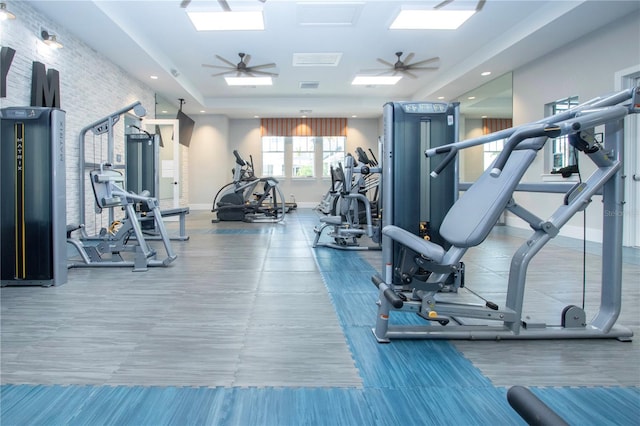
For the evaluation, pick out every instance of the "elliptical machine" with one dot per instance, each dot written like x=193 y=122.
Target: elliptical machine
x=249 y=198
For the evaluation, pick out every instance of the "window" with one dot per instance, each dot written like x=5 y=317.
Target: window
x=491 y=151
x=333 y=149
x=562 y=153
x=273 y=156
x=303 y=156
x=302 y=147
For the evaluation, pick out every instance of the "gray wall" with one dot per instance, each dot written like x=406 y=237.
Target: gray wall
x=211 y=157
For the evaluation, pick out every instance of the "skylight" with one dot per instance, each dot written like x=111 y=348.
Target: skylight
x=227 y=21
x=430 y=19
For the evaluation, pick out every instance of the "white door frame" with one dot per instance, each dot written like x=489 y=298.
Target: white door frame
x=176 y=152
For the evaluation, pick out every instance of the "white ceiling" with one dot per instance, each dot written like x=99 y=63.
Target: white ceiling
x=157 y=38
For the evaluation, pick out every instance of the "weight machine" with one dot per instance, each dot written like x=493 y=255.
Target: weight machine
x=116 y=236
x=353 y=214
x=471 y=218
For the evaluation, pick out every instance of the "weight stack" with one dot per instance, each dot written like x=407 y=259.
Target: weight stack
x=32 y=197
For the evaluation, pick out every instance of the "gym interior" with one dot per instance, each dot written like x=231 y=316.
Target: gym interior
x=150 y=282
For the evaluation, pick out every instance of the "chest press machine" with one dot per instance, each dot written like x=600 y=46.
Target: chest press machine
x=468 y=223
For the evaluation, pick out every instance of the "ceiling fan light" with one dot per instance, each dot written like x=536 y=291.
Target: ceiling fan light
x=430 y=19
x=227 y=21
x=376 y=80
x=249 y=81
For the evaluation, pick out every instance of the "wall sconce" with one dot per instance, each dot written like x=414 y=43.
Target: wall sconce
x=50 y=40
x=4 y=13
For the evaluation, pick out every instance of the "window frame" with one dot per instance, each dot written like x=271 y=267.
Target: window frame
x=273 y=140
x=560 y=147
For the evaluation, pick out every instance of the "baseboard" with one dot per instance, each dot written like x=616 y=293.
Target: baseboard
x=571 y=231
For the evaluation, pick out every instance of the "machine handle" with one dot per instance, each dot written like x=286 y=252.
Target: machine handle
x=388 y=293
x=239 y=159
x=453 y=151
x=531 y=409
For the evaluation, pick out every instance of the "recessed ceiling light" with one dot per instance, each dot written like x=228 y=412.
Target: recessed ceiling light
x=363 y=80
x=471 y=98
x=486 y=73
x=354 y=116
x=249 y=81
x=227 y=21
x=153 y=77
x=440 y=97
x=430 y=19
x=202 y=110
x=164 y=111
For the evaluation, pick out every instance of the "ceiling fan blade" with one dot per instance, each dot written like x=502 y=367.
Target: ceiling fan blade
x=409 y=58
x=263 y=73
x=221 y=73
x=480 y=5
x=271 y=65
x=224 y=5
x=409 y=74
x=231 y=64
x=422 y=68
x=217 y=67
x=383 y=62
x=426 y=61
x=184 y=3
x=443 y=4
x=246 y=58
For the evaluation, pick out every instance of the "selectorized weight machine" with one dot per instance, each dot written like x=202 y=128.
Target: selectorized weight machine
x=116 y=236
x=32 y=196
x=469 y=221
x=352 y=214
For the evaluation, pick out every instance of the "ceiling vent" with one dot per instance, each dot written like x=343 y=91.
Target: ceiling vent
x=309 y=84
x=316 y=59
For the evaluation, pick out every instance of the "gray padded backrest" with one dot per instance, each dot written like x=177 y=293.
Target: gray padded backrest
x=473 y=216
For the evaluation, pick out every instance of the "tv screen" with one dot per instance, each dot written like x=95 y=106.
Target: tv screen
x=186 y=128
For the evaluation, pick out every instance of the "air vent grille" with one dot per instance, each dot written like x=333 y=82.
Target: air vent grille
x=309 y=84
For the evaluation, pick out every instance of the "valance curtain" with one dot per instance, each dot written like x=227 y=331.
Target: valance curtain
x=303 y=127
x=490 y=125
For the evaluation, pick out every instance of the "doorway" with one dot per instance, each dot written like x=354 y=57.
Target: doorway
x=169 y=182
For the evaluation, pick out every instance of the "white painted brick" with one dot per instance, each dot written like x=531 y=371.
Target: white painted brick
x=91 y=87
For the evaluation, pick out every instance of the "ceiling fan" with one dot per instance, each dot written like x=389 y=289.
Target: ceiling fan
x=479 y=6
x=242 y=67
x=405 y=67
x=223 y=4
